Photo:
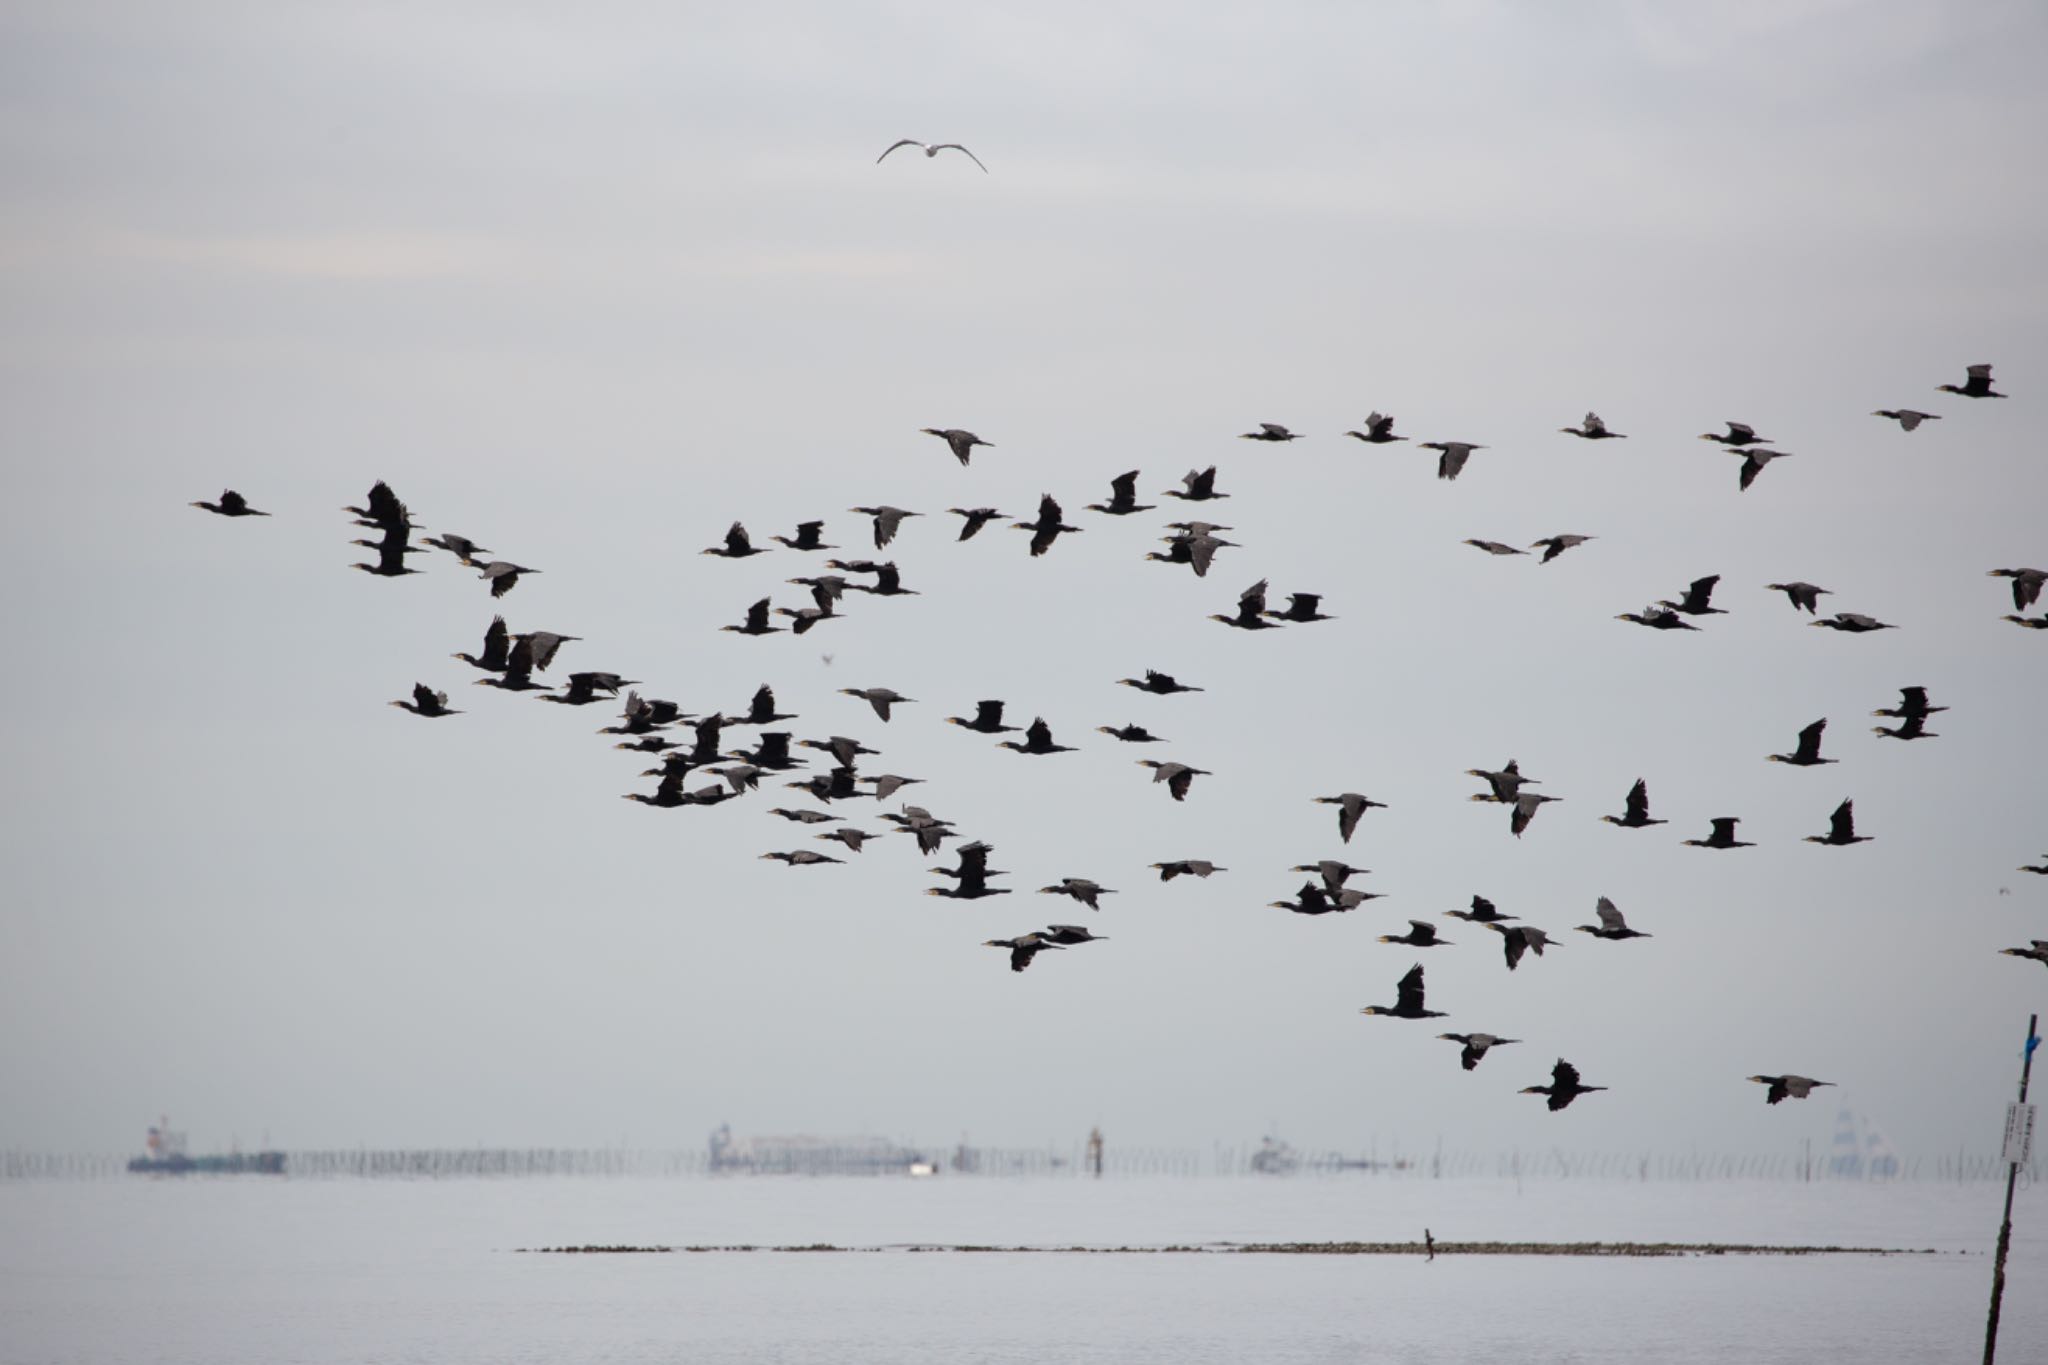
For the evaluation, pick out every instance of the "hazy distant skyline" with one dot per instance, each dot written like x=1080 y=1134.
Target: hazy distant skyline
x=589 y=287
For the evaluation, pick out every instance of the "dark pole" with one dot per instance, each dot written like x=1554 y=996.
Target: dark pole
x=2012 y=1175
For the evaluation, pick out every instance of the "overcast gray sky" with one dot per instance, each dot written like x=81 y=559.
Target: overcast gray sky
x=587 y=285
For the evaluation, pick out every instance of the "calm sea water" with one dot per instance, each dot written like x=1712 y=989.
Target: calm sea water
x=265 y=1271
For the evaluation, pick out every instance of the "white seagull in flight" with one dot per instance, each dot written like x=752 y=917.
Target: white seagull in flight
x=933 y=150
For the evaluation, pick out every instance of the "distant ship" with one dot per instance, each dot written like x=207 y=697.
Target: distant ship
x=167 y=1156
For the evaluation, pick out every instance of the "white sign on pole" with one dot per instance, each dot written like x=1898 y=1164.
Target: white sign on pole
x=2019 y=1133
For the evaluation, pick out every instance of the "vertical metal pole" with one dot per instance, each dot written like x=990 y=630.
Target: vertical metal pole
x=2012 y=1175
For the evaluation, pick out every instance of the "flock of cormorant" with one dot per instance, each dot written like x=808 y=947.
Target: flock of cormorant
x=647 y=725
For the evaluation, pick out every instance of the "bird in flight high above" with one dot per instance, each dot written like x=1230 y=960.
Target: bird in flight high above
x=932 y=149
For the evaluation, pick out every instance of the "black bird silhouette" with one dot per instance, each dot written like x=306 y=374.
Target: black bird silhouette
x=1517 y=939
x=1723 y=835
x=1593 y=429
x=737 y=545
x=1451 y=456
x=887 y=520
x=988 y=719
x=1912 y=704
x=1697 y=598
x=1157 y=683
x=1302 y=607
x=1379 y=430
x=1611 y=925
x=1482 y=912
x=1251 y=610
x=761 y=710
x=2026 y=583
x=1912 y=727
x=233 y=504
x=1037 y=740
x=1797 y=1087
x=1131 y=734
x=1753 y=462
x=497 y=643
x=503 y=575
x=1186 y=867
x=426 y=702
x=582 y=688
x=1350 y=807
x=808 y=537
x=1476 y=1046
x=756 y=622
x=1564 y=1086
x=1407 y=999
x=1080 y=888
x=1802 y=595
x=1269 y=431
x=1421 y=934
x=1739 y=434
x=1978 y=385
x=1852 y=623
x=1841 y=828
x=1022 y=948
x=977 y=517
x=1807 y=754
x=462 y=547
x=1553 y=546
x=1657 y=618
x=962 y=442
x=1199 y=485
x=1046 y=529
x=1637 y=814
x=1178 y=777
x=1123 y=497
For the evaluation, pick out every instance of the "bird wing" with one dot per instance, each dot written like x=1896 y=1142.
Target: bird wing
x=1514 y=943
x=544 y=644
x=956 y=147
x=1809 y=741
x=1201 y=484
x=1124 y=487
x=1593 y=422
x=1742 y=431
x=1409 y=992
x=1913 y=698
x=1978 y=371
x=1724 y=828
x=1700 y=592
x=1751 y=467
x=1610 y=917
x=497 y=640
x=736 y=542
x=1178 y=784
x=1842 y=824
x=1038 y=735
x=1639 y=800
x=1564 y=1075
x=901 y=142
x=989 y=713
